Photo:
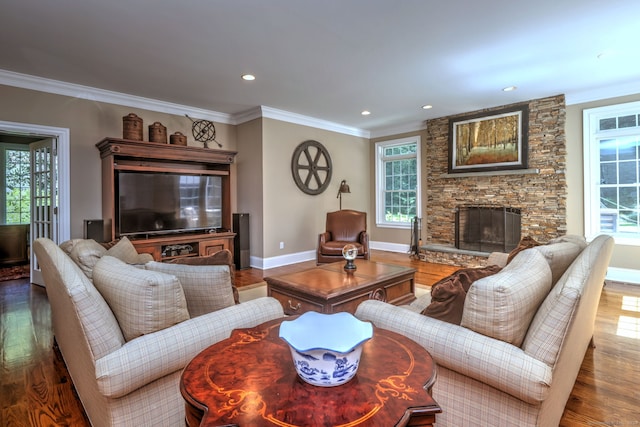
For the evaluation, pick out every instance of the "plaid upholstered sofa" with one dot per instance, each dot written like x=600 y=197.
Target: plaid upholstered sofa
x=515 y=356
x=126 y=331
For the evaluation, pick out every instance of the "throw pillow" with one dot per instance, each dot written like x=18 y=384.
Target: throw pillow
x=548 y=330
x=502 y=306
x=525 y=243
x=67 y=245
x=448 y=294
x=223 y=257
x=206 y=288
x=143 y=301
x=124 y=251
x=86 y=253
x=109 y=245
x=561 y=252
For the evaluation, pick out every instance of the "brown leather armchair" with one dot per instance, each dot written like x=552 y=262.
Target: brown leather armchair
x=343 y=227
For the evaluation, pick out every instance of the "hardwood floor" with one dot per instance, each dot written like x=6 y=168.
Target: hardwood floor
x=36 y=390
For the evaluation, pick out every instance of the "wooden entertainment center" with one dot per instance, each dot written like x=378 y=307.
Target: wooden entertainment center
x=141 y=156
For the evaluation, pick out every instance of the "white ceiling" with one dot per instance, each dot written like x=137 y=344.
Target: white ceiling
x=330 y=59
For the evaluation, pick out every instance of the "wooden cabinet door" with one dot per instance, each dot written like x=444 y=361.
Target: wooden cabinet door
x=210 y=247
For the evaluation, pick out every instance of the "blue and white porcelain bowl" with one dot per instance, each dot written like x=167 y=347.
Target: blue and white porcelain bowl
x=326 y=348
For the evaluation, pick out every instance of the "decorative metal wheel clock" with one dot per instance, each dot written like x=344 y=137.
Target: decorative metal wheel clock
x=311 y=167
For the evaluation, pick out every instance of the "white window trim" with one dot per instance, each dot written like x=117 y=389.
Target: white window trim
x=380 y=216
x=591 y=135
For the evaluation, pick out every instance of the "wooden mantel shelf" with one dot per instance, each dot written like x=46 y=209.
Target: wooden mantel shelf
x=140 y=149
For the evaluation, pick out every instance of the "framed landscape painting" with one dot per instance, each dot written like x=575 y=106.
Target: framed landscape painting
x=489 y=141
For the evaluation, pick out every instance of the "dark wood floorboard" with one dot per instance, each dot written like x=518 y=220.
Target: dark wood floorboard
x=36 y=390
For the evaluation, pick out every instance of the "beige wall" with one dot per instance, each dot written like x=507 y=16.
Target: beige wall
x=292 y=216
x=89 y=122
x=623 y=256
x=250 y=181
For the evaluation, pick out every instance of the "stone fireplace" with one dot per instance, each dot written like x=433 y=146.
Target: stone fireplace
x=540 y=192
x=487 y=228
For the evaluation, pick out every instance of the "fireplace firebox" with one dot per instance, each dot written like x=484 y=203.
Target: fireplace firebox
x=487 y=228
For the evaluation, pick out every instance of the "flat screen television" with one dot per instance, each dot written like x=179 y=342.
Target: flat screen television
x=163 y=203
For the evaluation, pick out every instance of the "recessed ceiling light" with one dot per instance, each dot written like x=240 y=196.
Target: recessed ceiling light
x=248 y=77
x=509 y=88
x=366 y=113
x=427 y=107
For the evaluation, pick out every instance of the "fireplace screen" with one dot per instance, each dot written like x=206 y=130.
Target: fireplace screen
x=487 y=228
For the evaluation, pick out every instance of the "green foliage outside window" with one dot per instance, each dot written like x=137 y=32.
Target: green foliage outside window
x=400 y=187
x=17 y=187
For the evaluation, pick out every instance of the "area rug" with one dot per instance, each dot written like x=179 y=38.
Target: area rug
x=249 y=292
x=14 y=273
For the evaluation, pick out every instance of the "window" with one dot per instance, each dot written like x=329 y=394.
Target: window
x=397 y=182
x=612 y=172
x=16 y=190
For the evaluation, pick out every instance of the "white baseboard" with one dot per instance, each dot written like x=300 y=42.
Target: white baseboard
x=390 y=247
x=624 y=275
x=279 y=261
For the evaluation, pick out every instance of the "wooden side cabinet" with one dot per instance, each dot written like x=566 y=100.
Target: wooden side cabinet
x=121 y=155
x=126 y=156
x=14 y=244
x=166 y=248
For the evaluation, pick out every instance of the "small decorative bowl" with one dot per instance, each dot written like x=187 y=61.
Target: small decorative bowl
x=326 y=348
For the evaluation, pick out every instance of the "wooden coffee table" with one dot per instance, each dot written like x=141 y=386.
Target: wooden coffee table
x=329 y=289
x=249 y=380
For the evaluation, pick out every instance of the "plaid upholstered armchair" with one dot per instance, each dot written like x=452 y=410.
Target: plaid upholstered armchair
x=514 y=357
x=124 y=344
x=343 y=227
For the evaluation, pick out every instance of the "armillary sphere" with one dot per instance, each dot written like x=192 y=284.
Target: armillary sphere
x=203 y=131
x=311 y=167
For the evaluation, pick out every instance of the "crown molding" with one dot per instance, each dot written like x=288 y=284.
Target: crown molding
x=247 y=115
x=399 y=129
x=25 y=81
x=289 y=117
x=286 y=116
x=631 y=88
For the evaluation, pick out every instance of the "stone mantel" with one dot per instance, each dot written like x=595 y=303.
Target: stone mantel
x=491 y=173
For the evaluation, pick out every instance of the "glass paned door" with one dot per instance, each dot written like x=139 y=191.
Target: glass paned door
x=44 y=198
